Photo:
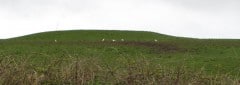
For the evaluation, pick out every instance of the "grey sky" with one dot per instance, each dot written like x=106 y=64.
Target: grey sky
x=188 y=18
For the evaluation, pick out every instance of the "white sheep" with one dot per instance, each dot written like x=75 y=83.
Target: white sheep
x=55 y=40
x=122 y=39
x=103 y=40
x=114 y=40
x=155 y=40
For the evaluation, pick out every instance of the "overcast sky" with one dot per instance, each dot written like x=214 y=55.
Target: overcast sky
x=186 y=18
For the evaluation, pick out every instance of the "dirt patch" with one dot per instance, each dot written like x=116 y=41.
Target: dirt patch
x=155 y=47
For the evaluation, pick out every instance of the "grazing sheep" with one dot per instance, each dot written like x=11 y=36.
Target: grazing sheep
x=55 y=41
x=155 y=40
x=114 y=40
x=122 y=39
x=103 y=40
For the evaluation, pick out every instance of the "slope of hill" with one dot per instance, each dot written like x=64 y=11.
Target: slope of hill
x=138 y=56
x=95 y=35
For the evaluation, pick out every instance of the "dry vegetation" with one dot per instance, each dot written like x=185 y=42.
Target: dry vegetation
x=89 y=71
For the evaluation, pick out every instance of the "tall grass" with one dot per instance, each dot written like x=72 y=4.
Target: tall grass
x=93 y=71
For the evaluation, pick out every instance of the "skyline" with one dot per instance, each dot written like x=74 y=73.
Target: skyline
x=185 y=18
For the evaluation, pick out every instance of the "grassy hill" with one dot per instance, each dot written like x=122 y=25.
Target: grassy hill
x=80 y=57
x=94 y=35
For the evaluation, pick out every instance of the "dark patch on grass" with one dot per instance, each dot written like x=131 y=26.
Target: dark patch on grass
x=156 y=47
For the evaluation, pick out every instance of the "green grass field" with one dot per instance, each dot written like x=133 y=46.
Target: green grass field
x=80 y=57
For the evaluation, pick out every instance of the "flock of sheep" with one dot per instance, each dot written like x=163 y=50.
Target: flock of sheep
x=113 y=40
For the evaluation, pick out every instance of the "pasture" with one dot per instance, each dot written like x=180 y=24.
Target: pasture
x=135 y=57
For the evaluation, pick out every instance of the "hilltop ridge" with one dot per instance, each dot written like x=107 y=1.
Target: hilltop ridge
x=95 y=35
